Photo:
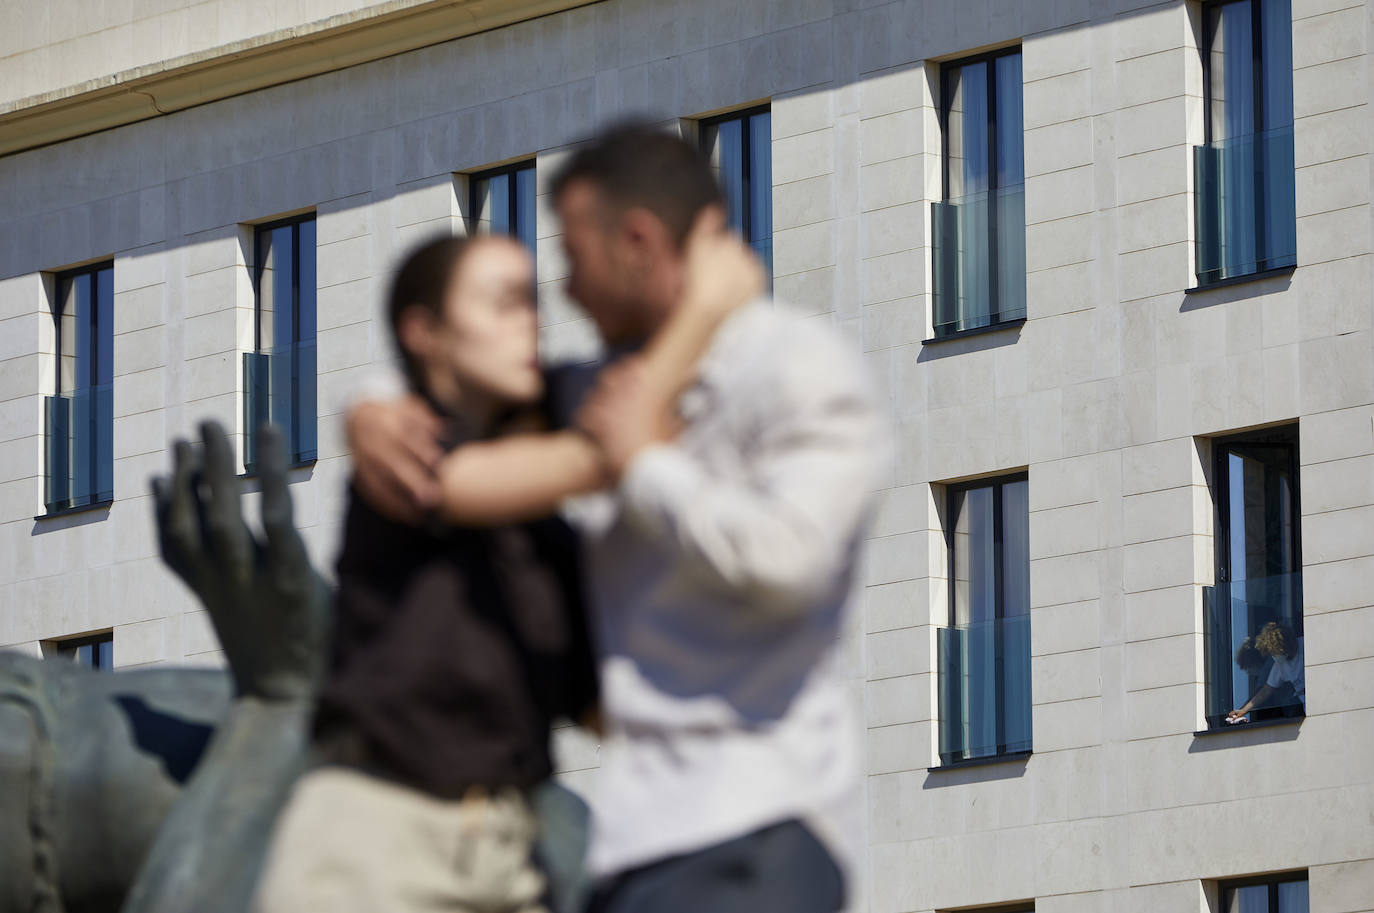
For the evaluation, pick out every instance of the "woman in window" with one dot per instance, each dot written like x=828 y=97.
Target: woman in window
x=1280 y=644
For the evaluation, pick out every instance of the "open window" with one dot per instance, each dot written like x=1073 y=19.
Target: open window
x=1253 y=623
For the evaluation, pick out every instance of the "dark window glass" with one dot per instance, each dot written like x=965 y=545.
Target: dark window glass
x=79 y=415
x=1254 y=627
x=984 y=653
x=95 y=652
x=979 y=230
x=1246 y=211
x=1285 y=894
x=280 y=374
x=740 y=147
x=503 y=202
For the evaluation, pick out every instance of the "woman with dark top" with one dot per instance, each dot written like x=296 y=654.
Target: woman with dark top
x=460 y=638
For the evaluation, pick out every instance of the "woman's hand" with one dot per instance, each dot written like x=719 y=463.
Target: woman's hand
x=624 y=414
x=722 y=274
x=633 y=405
x=1236 y=716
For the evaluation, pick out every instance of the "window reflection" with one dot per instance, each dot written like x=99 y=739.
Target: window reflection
x=1246 y=210
x=984 y=653
x=740 y=149
x=979 y=228
x=1281 y=895
x=79 y=416
x=975 y=585
x=95 y=652
x=280 y=374
x=503 y=203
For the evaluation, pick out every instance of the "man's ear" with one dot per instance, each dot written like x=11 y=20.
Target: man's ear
x=415 y=331
x=645 y=233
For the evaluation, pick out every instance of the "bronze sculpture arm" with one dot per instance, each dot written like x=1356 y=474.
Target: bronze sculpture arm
x=270 y=609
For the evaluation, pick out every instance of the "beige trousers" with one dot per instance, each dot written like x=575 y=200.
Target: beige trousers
x=352 y=843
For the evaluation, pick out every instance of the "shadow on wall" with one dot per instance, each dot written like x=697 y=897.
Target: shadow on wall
x=980 y=341
x=975 y=773
x=168 y=188
x=46 y=524
x=1252 y=288
x=426 y=115
x=1247 y=734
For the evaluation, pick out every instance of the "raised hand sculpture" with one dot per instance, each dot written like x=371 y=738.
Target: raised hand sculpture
x=269 y=606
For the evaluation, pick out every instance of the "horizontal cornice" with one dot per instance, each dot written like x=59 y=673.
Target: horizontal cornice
x=377 y=31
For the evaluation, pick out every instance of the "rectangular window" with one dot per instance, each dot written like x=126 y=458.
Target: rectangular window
x=93 y=652
x=740 y=147
x=1254 y=636
x=503 y=202
x=1278 y=894
x=279 y=375
x=79 y=415
x=984 y=653
x=1245 y=208
x=979 y=229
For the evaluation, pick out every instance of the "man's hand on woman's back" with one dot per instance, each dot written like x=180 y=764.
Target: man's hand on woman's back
x=396 y=452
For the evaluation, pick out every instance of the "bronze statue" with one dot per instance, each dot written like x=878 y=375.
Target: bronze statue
x=156 y=791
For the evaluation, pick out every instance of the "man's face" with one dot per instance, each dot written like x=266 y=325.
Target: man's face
x=604 y=267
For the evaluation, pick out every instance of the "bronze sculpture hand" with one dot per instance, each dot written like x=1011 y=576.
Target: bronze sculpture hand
x=269 y=606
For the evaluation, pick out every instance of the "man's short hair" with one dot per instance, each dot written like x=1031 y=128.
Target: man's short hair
x=637 y=165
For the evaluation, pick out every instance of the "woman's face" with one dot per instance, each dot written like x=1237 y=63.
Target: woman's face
x=489 y=333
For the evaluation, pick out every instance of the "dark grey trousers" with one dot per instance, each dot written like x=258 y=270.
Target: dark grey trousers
x=779 y=869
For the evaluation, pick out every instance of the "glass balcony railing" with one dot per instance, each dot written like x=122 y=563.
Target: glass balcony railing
x=1253 y=639
x=1246 y=210
x=280 y=388
x=79 y=429
x=764 y=249
x=985 y=689
x=979 y=244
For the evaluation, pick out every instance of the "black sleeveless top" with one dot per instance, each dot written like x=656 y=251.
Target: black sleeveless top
x=454 y=649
